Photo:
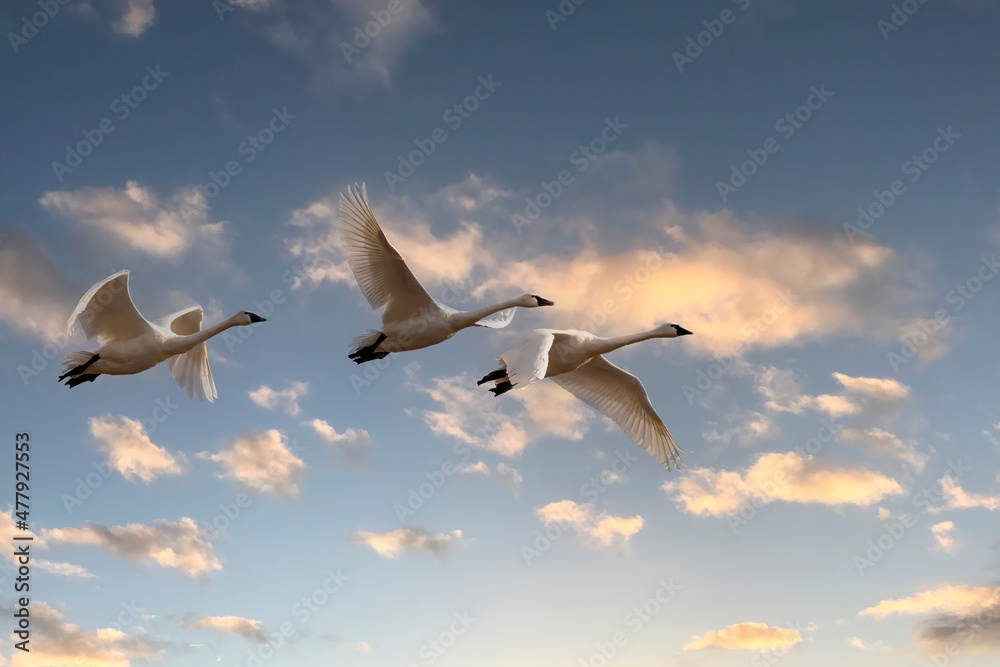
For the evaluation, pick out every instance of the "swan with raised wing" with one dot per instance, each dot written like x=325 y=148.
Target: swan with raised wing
x=411 y=319
x=129 y=343
x=573 y=360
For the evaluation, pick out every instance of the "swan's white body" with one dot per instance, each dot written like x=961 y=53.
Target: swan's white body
x=411 y=319
x=573 y=360
x=129 y=343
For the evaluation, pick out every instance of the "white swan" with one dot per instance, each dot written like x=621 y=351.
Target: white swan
x=129 y=343
x=573 y=360
x=411 y=319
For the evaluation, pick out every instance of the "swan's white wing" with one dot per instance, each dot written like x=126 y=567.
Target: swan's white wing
x=620 y=396
x=194 y=373
x=528 y=360
x=381 y=273
x=107 y=311
x=185 y=322
x=191 y=369
x=497 y=320
x=494 y=321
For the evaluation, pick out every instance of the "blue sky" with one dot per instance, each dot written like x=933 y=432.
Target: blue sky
x=842 y=486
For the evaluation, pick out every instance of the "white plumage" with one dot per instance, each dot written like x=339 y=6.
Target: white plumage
x=411 y=319
x=573 y=360
x=129 y=343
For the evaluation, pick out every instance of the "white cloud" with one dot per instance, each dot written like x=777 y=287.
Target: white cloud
x=262 y=462
x=776 y=476
x=859 y=643
x=747 y=637
x=129 y=449
x=57 y=643
x=944 y=537
x=603 y=529
x=886 y=390
x=136 y=219
x=244 y=627
x=750 y=427
x=36 y=297
x=410 y=538
x=137 y=17
x=955 y=497
x=286 y=399
x=354 y=444
x=9 y=529
x=959 y=600
x=179 y=545
x=509 y=477
x=357 y=647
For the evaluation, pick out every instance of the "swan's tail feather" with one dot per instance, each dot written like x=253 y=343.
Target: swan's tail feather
x=74 y=359
x=365 y=339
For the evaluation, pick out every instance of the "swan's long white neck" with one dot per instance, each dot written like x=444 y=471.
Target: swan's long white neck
x=467 y=318
x=605 y=345
x=181 y=344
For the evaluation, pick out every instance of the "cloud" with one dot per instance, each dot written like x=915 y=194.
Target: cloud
x=357 y=647
x=237 y=625
x=129 y=449
x=944 y=538
x=58 y=643
x=603 y=529
x=136 y=219
x=746 y=637
x=473 y=416
x=262 y=462
x=752 y=426
x=776 y=476
x=859 y=643
x=36 y=297
x=287 y=399
x=355 y=42
x=509 y=477
x=960 y=600
x=354 y=444
x=393 y=543
x=137 y=17
x=883 y=389
x=955 y=497
x=880 y=441
x=179 y=545
x=9 y=529
x=782 y=393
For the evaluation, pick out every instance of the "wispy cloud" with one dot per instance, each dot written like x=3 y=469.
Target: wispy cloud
x=287 y=399
x=747 y=637
x=394 y=543
x=602 y=529
x=262 y=462
x=129 y=449
x=237 y=625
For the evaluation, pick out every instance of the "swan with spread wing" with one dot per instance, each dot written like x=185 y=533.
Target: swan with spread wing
x=129 y=343
x=573 y=360
x=411 y=319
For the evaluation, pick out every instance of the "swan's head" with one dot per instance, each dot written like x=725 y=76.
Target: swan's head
x=534 y=301
x=673 y=330
x=246 y=318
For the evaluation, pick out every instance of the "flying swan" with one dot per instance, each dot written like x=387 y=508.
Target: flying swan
x=129 y=343
x=573 y=360
x=411 y=319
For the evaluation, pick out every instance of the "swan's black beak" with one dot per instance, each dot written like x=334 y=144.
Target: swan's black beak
x=254 y=318
x=681 y=331
x=543 y=302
